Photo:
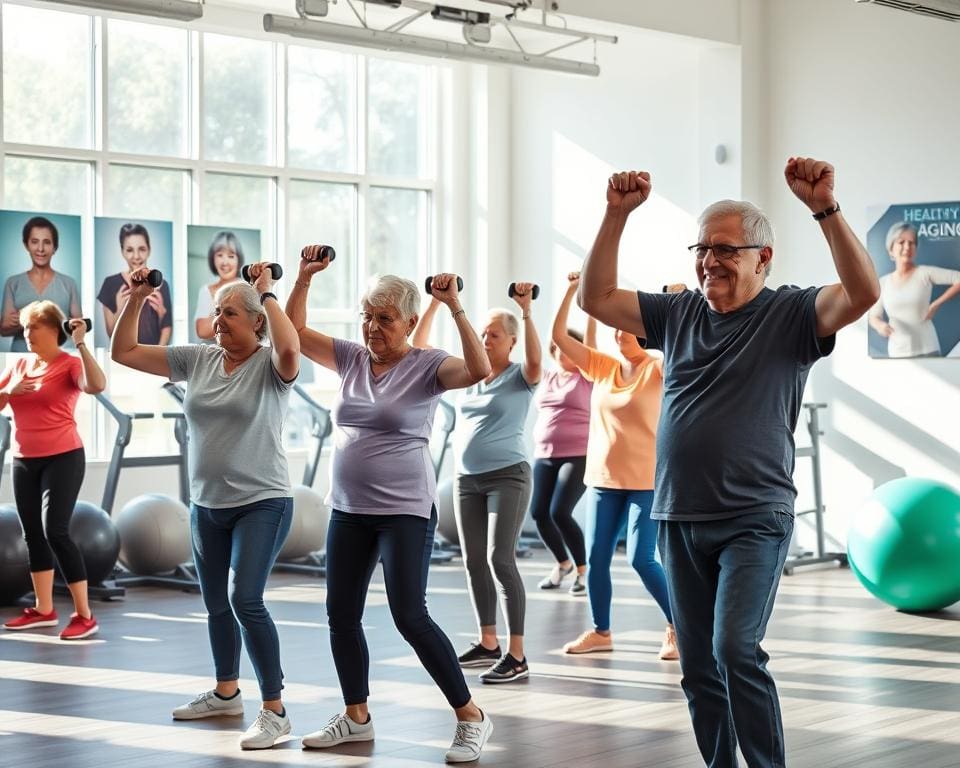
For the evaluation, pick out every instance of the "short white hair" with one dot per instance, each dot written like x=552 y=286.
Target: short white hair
x=756 y=227
x=507 y=319
x=392 y=291
x=249 y=300
x=896 y=230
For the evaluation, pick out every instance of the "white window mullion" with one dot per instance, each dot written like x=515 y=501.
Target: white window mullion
x=100 y=83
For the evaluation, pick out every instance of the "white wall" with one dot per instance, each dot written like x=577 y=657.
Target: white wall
x=570 y=134
x=874 y=96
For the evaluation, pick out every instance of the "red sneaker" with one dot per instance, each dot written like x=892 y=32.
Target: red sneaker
x=31 y=618
x=79 y=628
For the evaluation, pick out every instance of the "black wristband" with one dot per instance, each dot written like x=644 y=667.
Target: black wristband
x=828 y=212
x=268 y=295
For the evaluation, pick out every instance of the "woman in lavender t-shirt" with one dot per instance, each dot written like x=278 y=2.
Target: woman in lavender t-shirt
x=382 y=493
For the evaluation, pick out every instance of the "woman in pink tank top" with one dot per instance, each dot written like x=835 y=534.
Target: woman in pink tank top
x=560 y=457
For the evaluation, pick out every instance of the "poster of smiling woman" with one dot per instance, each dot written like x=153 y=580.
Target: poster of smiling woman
x=40 y=260
x=215 y=256
x=916 y=250
x=123 y=246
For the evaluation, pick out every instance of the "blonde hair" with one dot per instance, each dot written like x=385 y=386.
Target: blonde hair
x=45 y=312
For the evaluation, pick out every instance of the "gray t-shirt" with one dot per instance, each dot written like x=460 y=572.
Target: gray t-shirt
x=19 y=291
x=382 y=425
x=732 y=391
x=235 y=424
x=491 y=419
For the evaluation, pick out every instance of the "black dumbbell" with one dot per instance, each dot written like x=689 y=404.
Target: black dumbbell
x=512 y=291
x=69 y=331
x=428 y=284
x=154 y=278
x=276 y=272
x=326 y=252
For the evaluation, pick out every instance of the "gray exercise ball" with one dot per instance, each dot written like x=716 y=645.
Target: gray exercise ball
x=14 y=561
x=446 y=521
x=308 y=531
x=154 y=534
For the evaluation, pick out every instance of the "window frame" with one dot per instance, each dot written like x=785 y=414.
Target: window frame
x=195 y=166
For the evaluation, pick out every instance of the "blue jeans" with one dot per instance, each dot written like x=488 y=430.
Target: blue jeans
x=610 y=509
x=246 y=540
x=723 y=578
x=355 y=543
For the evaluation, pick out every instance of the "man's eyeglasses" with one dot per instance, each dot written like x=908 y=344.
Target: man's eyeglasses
x=722 y=251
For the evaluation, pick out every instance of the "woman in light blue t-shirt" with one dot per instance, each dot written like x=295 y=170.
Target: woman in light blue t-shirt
x=493 y=484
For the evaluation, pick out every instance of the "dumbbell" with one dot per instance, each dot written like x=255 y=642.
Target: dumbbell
x=69 y=331
x=153 y=279
x=512 y=291
x=428 y=284
x=326 y=252
x=276 y=271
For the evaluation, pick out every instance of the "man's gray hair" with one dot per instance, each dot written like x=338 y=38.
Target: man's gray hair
x=249 y=300
x=392 y=291
x=757 y=228
x=896 y=230
x=509 y=320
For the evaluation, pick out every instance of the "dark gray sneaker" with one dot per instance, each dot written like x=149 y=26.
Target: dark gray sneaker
x=506 y=670
x=478 y=656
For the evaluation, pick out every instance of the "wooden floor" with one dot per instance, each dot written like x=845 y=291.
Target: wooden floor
x=861 y=685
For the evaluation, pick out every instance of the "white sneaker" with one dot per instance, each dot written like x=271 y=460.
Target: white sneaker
x=266 y=729
x=556 y=577
x=208 y=704
x=339 y=728
x=579 y=587
x=468 y=741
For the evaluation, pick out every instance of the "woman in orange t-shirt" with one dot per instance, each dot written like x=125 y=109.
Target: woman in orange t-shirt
x=42 y=389
x=624 y=410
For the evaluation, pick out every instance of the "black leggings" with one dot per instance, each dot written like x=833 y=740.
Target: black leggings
x=45 y=490
x=355 y=543
x=557 y=487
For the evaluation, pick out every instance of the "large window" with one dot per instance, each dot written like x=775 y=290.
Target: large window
x=110 y=117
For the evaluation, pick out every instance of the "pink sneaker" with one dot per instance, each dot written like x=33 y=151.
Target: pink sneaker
x=79 y=628
x=668 y=649
x=590 y=641
x=31 y=618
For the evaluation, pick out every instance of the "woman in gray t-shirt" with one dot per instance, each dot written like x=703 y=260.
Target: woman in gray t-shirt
x=41 y=282
x=236 y=399
x=383 y=493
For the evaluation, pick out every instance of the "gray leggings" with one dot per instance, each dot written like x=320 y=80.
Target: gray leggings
x=490 y=508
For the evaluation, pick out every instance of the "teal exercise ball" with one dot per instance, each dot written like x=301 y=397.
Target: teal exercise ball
x=904 y=544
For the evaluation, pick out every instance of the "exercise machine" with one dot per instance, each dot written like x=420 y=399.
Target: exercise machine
x=821 y=555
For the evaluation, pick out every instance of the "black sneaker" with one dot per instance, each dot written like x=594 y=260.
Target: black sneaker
x=506 y=670
x=478 y=656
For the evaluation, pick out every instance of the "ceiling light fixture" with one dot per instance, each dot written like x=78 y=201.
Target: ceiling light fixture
x=477 y=31
x=181 y=10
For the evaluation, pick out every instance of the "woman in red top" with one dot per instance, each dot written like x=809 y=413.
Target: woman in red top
x=42 y=389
